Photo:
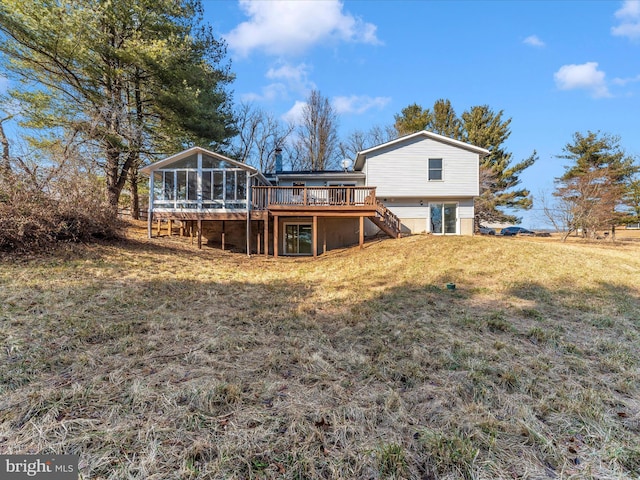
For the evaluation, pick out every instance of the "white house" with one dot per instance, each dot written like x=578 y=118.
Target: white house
x=418 y=183
x=429 y=181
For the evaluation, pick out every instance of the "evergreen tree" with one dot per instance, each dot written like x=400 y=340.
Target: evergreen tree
x=444 y=121
x=631 y=200
x=441 y=120
x=595 y=182
x=134 y=78
x=411 y=119
x=482 y=127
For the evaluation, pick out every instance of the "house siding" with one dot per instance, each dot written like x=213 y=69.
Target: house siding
x=321 y=179
x=402 y=170
x=414 y=217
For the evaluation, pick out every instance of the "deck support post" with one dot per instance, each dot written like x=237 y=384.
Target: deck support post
x=170 y=228
x=361 y=232
x=314 y=235
x=324 y=238
x=222 y=235
x=275 y=235
x=199 y=234
x=258 y=244
x=159 y=226
x=266 y=234
x=182 y=228
x=150 y=224
x=191 y=229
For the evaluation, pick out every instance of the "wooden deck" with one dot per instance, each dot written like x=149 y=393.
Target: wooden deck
x=274 y=202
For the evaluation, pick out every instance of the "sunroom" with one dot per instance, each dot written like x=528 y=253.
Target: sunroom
x=198 y=180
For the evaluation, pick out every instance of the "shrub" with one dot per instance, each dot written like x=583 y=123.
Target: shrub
x=71 y=210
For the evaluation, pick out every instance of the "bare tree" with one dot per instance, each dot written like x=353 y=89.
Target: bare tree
x=259 y=135
x=382 y=134
x=355 y=142
x=559 y=213
x=359 y=140
x=246 y=122
x=316 y=146
x=589 y=201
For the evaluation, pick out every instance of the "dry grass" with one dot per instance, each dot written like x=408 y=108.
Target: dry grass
x=153 y=360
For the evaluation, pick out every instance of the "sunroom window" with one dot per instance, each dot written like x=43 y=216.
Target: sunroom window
x=218 y=184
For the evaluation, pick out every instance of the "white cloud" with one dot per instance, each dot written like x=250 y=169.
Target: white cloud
x=353 y=104
x=288 y=78
x=585 y=76
x=358 y=103
x=624 y=81
x=271 y=92
x=534 y=41
x=294 y=115
x=629 y=16
x=296 y=77
x=289 y=27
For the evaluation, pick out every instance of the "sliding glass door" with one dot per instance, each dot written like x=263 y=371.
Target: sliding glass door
x=444 y=218
x=297 y=239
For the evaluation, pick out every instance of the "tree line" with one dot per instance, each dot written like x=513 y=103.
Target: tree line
x=101 y=88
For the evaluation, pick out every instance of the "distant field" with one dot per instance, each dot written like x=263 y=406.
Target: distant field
x=153 y=360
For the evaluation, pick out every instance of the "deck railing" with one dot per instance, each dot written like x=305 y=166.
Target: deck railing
x=266 y=197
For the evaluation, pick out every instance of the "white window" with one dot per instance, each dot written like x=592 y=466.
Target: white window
x=179 y=188
x=435 y=169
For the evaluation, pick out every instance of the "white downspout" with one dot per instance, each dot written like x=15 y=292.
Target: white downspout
x=248 y=195
x=150 y=209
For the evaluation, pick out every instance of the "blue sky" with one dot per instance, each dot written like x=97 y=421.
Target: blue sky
x=554 y=67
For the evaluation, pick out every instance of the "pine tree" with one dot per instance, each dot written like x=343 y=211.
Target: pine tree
x=444 y=121
x=631 y=201
x=595 y=182
x=411 y=119
x=482 y=127
x=133 y=78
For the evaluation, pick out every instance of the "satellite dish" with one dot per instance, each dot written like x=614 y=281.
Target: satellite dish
x=346 y=163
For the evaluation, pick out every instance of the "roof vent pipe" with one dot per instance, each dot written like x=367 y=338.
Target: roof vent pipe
x=278 y=160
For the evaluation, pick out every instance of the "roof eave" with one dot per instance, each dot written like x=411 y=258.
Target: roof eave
x=185 y=153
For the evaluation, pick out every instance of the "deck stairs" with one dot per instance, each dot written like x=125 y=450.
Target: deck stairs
x=386 y=220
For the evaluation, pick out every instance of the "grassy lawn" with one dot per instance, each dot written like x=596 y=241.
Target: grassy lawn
x=153 y=360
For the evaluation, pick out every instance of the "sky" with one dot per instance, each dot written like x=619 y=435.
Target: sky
x=553 y=67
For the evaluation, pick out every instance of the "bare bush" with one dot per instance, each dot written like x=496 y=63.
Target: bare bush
x=31 y=221
x=67 y=208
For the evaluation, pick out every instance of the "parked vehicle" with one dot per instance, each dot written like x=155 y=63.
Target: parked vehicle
x=486 y=231
x=511 y=231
